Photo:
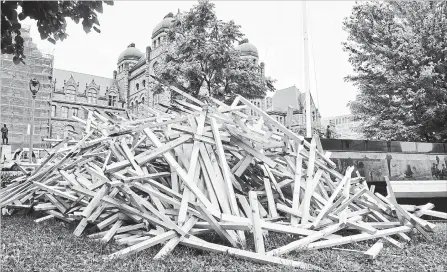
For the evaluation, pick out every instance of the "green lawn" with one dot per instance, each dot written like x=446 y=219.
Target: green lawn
x=51 y=246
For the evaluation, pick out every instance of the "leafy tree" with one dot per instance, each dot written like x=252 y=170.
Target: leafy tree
x=51 y=21
x=201 y=53
x=398 y=50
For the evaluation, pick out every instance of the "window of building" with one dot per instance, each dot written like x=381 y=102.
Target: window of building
x=112 y=100
x=70 y=94
x=67 y=130
x=144 y=83
x=91 y=96
x=53 y=111
x=142 y=101
x=64 y=112
x=132 y=107
x=75 y=112
x=137 y=86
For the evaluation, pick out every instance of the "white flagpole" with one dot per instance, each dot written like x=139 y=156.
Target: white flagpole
x=306 y=75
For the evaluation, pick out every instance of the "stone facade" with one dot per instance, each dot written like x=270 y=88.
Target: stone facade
x=73 y=93
x=16 y=98
x=70 y=93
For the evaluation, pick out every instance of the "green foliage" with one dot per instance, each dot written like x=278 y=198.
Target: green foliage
x=201 y=53
x=51 y=21
x=398 y=50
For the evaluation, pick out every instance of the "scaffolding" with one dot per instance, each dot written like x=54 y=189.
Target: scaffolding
x=15 y=96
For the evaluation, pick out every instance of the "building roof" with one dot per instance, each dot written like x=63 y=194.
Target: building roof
x=60 y=75
x=162 y=26
x=131 y=53
x=247 y=49
x=140 y=63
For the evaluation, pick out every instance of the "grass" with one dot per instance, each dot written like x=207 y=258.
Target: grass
x=51 y=246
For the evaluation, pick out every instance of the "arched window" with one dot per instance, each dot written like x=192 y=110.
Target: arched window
x=137 y=86
x=91 y=96
x=142 y=100
x=144 y=83
x=67 y=130
x=137 y=103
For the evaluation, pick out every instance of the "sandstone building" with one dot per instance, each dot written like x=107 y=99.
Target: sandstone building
x=72 y=93
x=64 y=94
x=16 y=98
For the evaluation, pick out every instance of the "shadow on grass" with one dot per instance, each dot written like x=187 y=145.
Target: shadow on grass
x=51 y=246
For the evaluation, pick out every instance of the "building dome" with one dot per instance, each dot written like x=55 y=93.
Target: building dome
x=131 y=53
x=247 y=49
x=162 y=26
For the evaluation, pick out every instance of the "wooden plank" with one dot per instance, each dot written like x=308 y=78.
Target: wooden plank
x=268 y=190
x=169 y=246
x=290 y=134
x=309 y=182
x=302 y=243
x=247 y=255
x=194 y=166
x=109 y=235
x=256 y=222
x=337 y=190
x=180 y=171
x=358 y=238
x=225 y=169
x=245 y=206
x=434 y=214
x=373 y=251
x=362 y=226
x=143 y=245
x=215 y=225
x=95 y=201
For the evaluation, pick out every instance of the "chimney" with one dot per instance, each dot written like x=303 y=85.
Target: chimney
x=148 y=52
x=114 y=74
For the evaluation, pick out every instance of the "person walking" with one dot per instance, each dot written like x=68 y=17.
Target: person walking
x=434 y=171
x=328 y=132
x=4 y=131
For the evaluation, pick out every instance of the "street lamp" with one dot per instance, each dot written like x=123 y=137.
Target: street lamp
x=34 y=86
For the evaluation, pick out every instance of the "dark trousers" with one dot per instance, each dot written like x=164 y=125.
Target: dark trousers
x=5 y=138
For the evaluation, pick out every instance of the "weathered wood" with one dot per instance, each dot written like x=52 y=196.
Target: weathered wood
x=256 y=221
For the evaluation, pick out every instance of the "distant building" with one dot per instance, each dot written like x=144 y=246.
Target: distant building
x=282 y=99
x=343 y=127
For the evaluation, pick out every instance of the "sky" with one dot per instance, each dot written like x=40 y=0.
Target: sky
x=274 y=27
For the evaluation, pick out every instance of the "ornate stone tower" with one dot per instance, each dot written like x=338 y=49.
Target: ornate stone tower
x=126 y=60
